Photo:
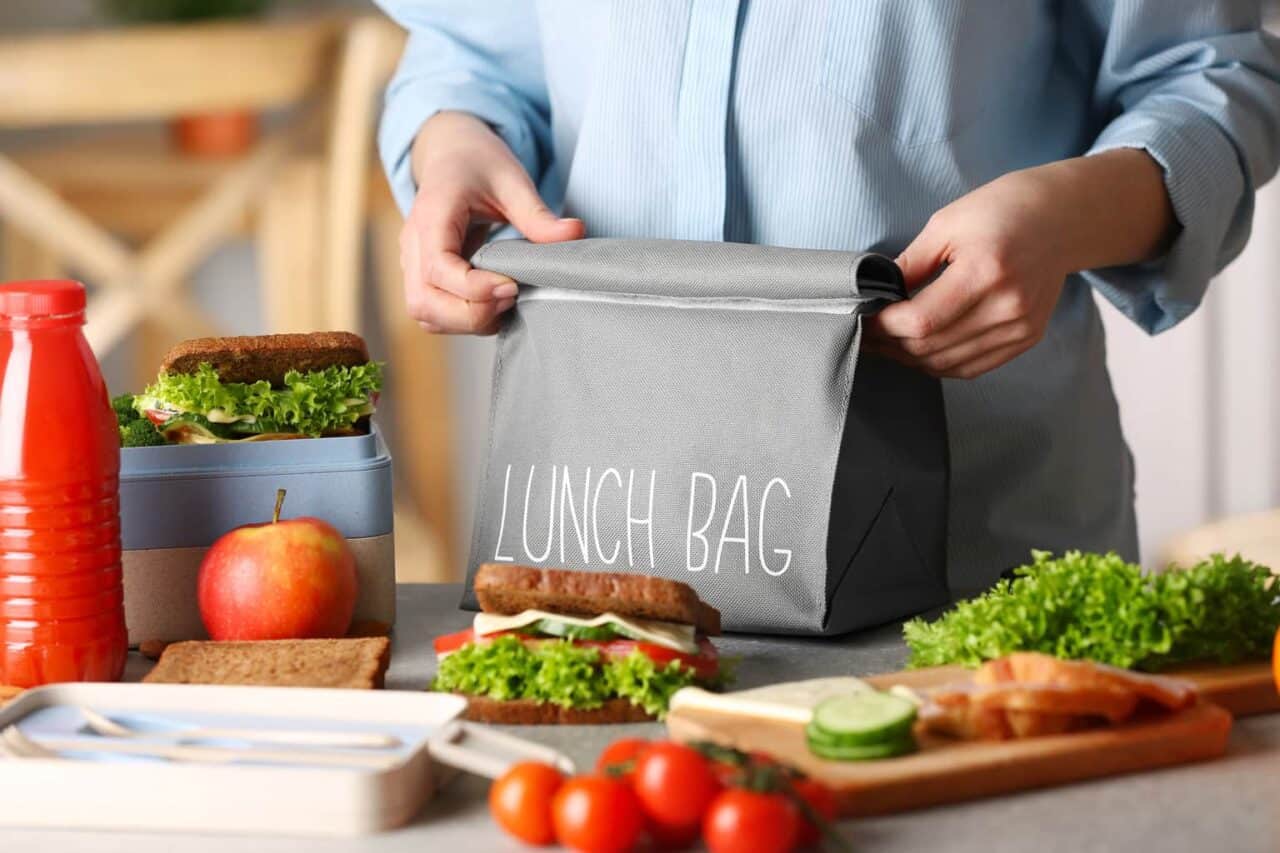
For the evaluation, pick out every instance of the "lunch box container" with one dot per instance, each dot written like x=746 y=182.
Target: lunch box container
x=244 y=789
x=701 y=412
x=176 y=500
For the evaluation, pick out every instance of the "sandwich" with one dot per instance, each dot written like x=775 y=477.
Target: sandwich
x=558 y=646
x=255 y=388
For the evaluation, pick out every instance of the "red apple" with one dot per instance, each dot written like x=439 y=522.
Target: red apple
x=291 y=579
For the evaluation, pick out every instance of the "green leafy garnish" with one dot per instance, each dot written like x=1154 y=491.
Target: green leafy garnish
x=560 y=672
x=140 y=433
x=123 y=407
x=314 y=403
x=1099 y=607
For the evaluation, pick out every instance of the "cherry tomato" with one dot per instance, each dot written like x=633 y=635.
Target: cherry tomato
x=819 y=798
x=742 y=821
x=520 y=801
x=621 y=752
x=669 y=838
x=596 y=814
x=675 y=784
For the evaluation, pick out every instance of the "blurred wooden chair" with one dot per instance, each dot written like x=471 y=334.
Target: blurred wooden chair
x=1255 y=536
x=139 y=74
x=308 y=193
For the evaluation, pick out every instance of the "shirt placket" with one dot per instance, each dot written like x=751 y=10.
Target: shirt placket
x=702 y=119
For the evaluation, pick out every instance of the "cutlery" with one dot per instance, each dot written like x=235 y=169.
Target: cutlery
x=15 y=744
x=104 y=725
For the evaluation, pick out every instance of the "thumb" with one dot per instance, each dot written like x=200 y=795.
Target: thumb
x=526 y=210
x=922 y=257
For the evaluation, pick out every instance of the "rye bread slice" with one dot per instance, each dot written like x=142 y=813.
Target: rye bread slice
x=510 y=589
x=253 y=357
x=528 y=712
x=353 y=662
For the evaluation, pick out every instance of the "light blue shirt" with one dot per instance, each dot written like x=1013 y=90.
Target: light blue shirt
x=845 y=125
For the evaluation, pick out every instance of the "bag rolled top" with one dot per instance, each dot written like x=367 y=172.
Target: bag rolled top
x=698 y=411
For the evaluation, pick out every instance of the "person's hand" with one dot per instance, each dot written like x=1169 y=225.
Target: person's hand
x=1005 y=250
x=468 y=180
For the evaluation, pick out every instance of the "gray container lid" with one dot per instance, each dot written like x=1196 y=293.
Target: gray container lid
x=188 y=495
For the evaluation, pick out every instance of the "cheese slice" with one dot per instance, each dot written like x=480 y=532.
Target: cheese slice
x=792 y=701
x=680 y=638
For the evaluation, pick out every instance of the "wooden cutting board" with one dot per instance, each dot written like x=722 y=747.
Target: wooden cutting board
x=946 y=771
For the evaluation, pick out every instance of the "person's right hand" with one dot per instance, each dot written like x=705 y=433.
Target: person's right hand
x=468 y=180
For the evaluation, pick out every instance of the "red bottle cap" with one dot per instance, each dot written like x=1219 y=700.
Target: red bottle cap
x=35 y=299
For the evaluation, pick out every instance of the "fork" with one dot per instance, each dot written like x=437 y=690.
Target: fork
x=15 y=744
x=104 y=725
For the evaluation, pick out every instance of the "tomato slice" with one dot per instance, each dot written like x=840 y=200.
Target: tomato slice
x=158 y=417
x=447 y=643
x=705 y=664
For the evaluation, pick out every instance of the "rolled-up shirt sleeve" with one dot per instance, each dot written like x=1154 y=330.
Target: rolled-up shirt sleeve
x=479 y=58
x=1197 y=86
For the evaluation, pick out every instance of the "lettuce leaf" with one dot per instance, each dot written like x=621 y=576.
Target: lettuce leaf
x=1100 y=607
x=568 y=675
x=313 y=403
x=503 y=669
x=647 y=684
x=560 y=672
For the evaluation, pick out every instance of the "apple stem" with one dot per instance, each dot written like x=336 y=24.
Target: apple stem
x=275 y=516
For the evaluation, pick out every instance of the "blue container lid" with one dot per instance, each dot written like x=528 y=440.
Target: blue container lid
x=337 y=453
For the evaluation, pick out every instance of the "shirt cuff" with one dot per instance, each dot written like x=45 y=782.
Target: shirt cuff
x=1206 y=185
x=411 y=102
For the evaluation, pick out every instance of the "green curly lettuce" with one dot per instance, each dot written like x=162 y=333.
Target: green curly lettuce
x=560 y=672
x=503 y=669
x=1100 y=607
x=648 y=684
x=568 y=675
x=313 y=403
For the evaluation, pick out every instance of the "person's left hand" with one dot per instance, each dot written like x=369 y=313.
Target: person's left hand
x=1004 y=250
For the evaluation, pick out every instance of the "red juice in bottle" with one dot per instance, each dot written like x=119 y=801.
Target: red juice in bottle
x=61 y=597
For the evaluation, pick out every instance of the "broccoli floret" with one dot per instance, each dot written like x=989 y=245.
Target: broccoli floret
x=123 y=407
x=140 y=433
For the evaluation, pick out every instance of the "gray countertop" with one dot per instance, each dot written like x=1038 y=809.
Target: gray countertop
x=1222 y=806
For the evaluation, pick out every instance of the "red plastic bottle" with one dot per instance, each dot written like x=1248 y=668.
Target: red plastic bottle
x=61 y=598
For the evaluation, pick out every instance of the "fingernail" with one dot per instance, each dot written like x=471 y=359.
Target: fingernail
x=504 y=304
x=506 y=291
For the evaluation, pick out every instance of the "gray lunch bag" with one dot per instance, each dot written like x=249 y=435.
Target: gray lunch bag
x=699 y=411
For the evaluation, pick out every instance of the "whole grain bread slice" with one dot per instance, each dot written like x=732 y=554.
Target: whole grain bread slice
x=509 y=589
x=250 y=358
x=528 y=712
x=352 y=662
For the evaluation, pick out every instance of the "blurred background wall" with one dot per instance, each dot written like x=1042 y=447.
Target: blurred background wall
x=1200 y=404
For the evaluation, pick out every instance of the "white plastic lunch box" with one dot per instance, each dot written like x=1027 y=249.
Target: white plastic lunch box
x=176 y=500
x=68 y=776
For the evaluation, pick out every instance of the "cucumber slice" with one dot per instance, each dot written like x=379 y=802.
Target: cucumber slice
x=867 y=752
x=862 y=719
